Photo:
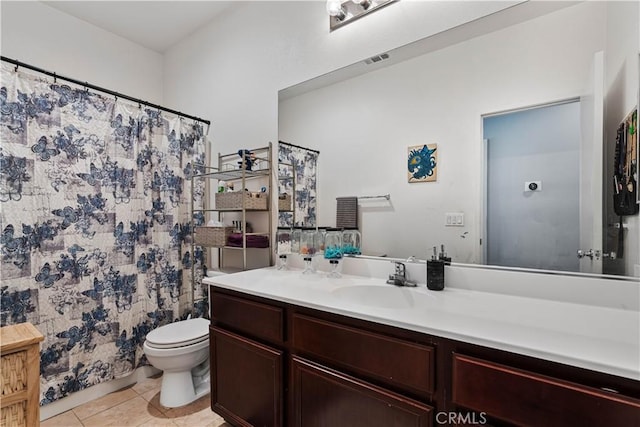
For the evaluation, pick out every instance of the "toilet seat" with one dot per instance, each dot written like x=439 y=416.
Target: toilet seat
x=179 y=334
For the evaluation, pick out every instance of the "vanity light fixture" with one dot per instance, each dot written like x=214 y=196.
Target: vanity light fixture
x=342 y=12
x=363 y=3
x=336 y=10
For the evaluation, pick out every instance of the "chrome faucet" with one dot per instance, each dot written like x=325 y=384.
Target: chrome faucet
x=399 y=277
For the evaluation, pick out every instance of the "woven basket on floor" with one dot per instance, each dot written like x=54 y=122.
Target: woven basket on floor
x=20 y=375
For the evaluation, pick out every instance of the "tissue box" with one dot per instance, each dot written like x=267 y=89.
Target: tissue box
x=212 y=236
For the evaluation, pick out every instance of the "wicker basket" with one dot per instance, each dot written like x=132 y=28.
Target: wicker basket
x=235 y=200
x=284 y=202
x=212 y=236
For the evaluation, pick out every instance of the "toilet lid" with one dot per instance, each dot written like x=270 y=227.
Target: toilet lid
x=178 y=334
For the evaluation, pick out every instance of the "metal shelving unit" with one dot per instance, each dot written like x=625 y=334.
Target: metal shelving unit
x=228 y=171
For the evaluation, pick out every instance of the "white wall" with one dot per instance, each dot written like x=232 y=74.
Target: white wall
x=37 y=34
x=231 y=70
x=363 y=126
x=621 y=96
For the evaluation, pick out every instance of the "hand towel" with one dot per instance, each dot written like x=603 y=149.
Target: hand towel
x=347 y=212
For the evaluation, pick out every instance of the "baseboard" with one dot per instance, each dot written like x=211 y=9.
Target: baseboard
x=92 y=393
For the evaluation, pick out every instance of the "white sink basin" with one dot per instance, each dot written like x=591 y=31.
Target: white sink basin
x=388 y=296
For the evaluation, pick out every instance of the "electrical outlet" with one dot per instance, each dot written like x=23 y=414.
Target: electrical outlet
x=454 y=219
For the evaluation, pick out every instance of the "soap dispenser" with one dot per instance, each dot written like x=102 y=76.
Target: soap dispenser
x=435 y=272
x=443 y=256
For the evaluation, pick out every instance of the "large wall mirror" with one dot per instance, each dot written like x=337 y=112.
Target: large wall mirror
x=448 y=92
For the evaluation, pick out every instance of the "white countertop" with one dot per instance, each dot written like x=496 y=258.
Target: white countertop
x=598 y=338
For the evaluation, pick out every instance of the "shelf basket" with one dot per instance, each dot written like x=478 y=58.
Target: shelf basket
x=284 y=202
x=235 y=200
x=212 y=236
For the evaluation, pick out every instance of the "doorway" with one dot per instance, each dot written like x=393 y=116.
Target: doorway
x=532 y=186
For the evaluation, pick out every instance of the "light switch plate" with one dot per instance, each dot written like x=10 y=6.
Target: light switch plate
x=454 y=219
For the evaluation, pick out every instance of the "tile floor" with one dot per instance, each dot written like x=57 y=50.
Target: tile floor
x=138 y=405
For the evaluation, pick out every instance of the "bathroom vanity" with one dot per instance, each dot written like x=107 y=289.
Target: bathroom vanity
x=294 y=350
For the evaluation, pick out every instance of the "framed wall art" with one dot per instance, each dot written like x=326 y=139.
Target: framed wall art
x=422 y=163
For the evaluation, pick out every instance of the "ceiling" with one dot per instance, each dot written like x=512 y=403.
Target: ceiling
x=156 y=25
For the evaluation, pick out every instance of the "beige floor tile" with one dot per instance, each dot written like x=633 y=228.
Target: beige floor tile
x=196 y=414
x=131 y=413
x=204 y=418
x=153 y=397
x=159 y=422
x=66 y=419
x=219 y=422
x=151 y=383
x=105 y=402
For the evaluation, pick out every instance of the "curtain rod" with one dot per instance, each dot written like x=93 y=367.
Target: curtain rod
x=101 y=89
x=297 y=146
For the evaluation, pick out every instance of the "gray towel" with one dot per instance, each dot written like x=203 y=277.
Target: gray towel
x=347 y=212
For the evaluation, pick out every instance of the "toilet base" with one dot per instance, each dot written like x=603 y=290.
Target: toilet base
x=182 y=388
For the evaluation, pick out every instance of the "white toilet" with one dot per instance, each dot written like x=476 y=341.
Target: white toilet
x=181 y=350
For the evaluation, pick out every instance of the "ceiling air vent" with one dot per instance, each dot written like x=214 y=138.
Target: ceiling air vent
x=376 y=58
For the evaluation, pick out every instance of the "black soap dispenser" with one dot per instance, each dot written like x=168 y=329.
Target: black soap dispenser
x=435 y=272
x=443 y=256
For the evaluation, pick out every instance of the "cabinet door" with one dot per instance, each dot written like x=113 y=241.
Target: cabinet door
x=246 y=380
x=325 y=398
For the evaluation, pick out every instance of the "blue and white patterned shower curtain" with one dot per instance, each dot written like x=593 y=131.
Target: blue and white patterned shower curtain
x=305 y=167
x=95 y=198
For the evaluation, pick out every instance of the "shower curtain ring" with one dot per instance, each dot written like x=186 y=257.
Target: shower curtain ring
x=15 y=70
x=55 y=78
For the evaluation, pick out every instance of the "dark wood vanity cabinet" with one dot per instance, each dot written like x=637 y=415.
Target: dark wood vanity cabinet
x=275 y=364
x=247 y=361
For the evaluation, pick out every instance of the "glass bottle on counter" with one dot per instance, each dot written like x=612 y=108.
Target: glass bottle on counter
x=351 y=242
x=333 y=250
x=309 y=246
x=296 y=233
x=322 y=234
x=283 y=248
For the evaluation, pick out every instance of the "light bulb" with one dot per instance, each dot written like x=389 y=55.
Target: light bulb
x=364 y=3
x=334 y=8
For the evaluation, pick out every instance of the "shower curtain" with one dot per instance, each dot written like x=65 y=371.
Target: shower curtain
x=95 y=197
x=305 y=166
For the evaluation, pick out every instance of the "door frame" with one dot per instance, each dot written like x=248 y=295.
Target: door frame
x=483 y=202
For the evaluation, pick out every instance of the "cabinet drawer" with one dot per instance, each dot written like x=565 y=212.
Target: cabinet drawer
x=402 y=364
x=322 y=397
x=256 y=319
x=527 y=398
